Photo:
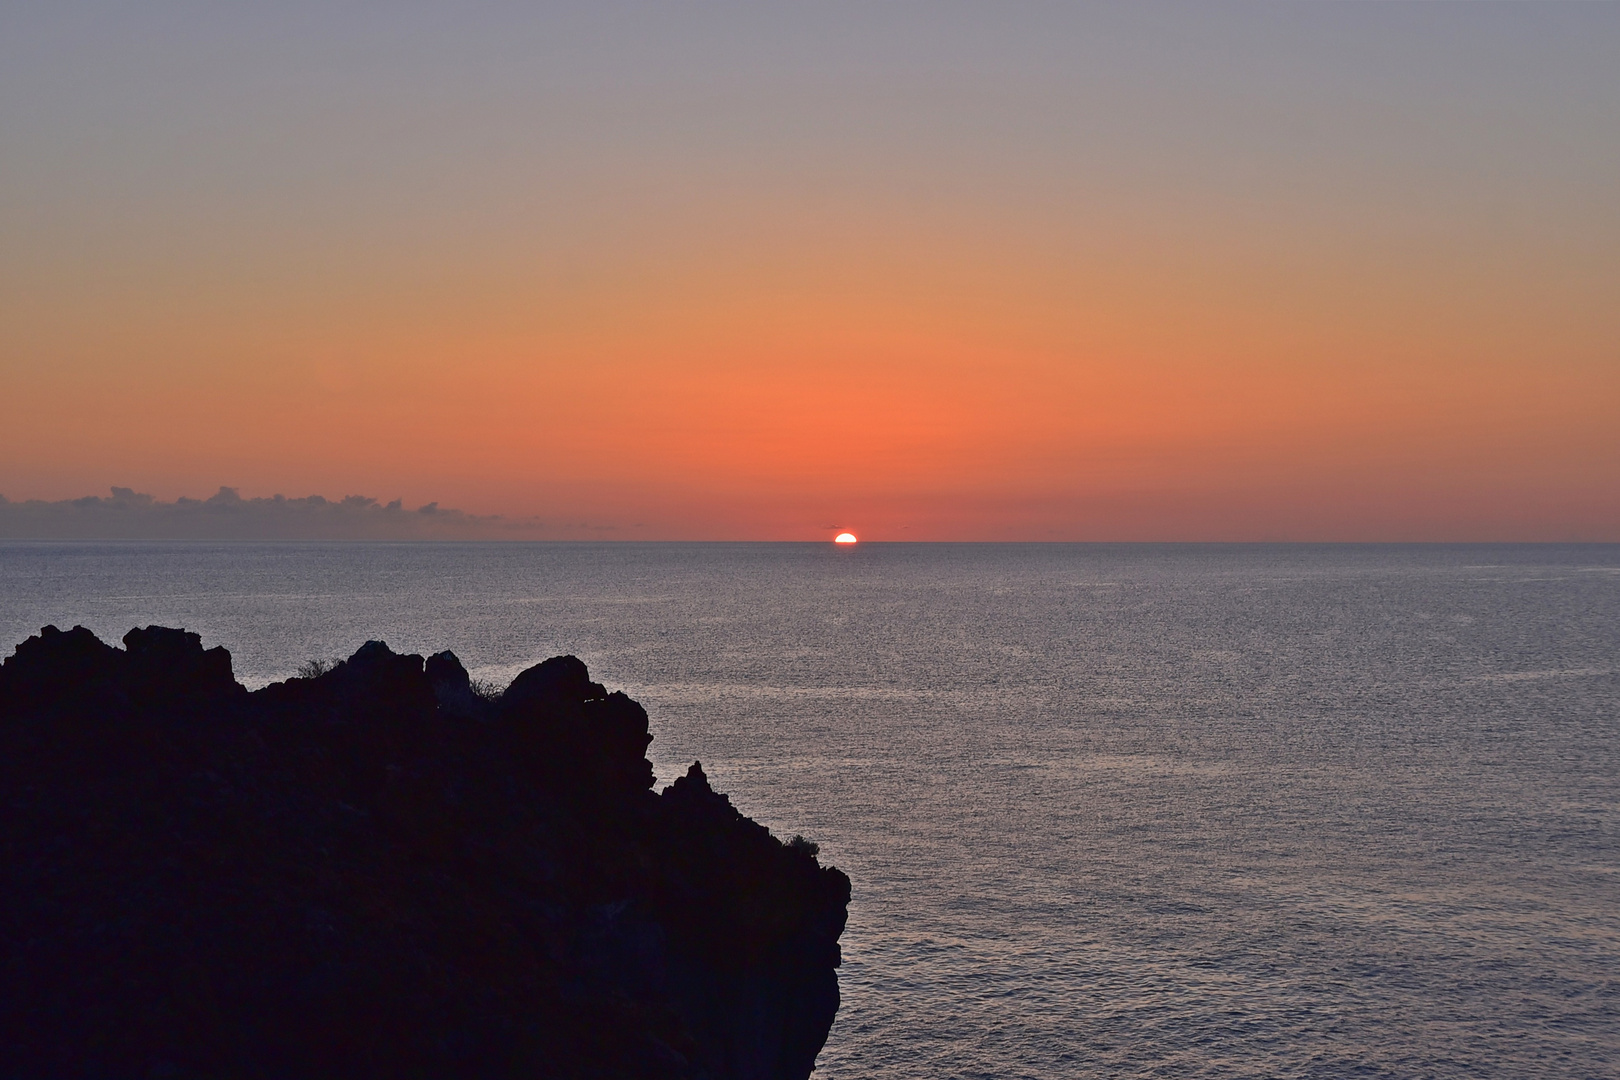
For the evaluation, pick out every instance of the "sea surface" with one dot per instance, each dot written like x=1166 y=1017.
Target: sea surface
x=1112 y=811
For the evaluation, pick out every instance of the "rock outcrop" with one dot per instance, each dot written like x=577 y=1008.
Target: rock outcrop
x=380 y=871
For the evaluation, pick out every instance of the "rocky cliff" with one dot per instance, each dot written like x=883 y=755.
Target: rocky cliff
x=377 y=871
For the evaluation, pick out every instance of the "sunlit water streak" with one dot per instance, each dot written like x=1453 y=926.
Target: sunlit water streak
x=1112 y=811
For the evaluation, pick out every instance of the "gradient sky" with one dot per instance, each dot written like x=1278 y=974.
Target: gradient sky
x=925 y=271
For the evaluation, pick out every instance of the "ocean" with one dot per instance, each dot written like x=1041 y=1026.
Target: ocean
x=1109 y=810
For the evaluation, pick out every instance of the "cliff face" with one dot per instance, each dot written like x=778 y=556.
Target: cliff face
x=378 y=872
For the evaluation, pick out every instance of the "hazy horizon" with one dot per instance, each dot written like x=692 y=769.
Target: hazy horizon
x=126 y=514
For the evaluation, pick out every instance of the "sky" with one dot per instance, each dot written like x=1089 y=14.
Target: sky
x=923 y=271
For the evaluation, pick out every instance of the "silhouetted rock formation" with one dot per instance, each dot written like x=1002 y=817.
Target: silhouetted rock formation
x=378 y=871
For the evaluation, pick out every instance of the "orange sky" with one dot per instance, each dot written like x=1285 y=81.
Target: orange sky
x=969 y=297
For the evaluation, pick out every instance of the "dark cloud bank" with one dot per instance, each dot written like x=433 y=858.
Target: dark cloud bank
x=130 y=515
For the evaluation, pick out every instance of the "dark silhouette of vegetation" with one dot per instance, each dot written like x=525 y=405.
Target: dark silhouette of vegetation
x=314 y=669
x=487 y=689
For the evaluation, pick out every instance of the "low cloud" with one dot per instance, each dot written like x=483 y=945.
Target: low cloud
x=131 y=515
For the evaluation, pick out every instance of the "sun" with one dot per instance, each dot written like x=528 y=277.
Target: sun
x=844 y=538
